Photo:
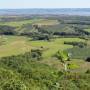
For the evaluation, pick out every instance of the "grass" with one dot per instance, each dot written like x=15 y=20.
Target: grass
x=87 y=30
x=31 y=21
x=47 y=22
x=14 y=45
x=80 y=53
x=82 y=65
x=19 y=23
x=53 y=46
x=17 y=44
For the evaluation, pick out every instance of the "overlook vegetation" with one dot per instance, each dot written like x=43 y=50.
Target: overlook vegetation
x=44 y=52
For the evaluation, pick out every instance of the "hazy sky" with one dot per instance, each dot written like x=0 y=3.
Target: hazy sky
x=44 y=4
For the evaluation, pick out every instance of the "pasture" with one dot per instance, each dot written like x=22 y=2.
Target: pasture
x=14 y=45
x=87 y=30
x=31 y=21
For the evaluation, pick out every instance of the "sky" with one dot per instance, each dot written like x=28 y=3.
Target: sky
x=14 y=4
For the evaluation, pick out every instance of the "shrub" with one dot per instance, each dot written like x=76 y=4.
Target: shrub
x=88 y=59
x=88 y=71
x=36 y=53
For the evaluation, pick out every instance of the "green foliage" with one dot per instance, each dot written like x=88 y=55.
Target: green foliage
x=73 y=66
x=7 y=30
x=79 y=44
x=22 y=73
x=13 y=85
x=9 y=80
x=82 y=84
x=36 y=53
x=40 y=36
x=88 y=71
x=25 y=72
x=79 y=53
x=62 y=55
x=88 y=59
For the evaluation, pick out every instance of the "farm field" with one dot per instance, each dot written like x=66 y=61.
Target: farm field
x=31 y=21
x=14 y=45
x=87 y=30
x=44 y=53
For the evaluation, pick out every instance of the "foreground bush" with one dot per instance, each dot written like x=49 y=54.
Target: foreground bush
x=22 y=73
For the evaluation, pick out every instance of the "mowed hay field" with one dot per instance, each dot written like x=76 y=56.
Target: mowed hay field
x=14 y=45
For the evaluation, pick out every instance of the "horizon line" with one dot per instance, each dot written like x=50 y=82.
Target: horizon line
x=52 y=8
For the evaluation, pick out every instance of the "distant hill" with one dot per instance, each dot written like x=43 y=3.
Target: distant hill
x=65 y=11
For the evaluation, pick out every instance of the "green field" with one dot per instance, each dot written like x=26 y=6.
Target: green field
x=31 y=21
x=14 y=45
x=87 y=30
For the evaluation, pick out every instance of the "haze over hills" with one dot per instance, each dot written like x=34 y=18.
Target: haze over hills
x=65 y=11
